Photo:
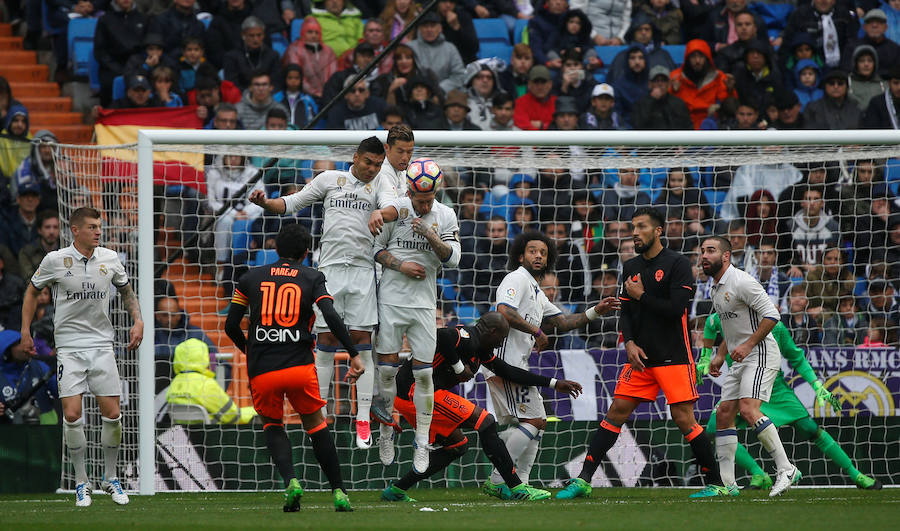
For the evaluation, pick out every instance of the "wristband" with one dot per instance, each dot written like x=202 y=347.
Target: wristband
x=538 y=333
x=458 y=367
x=591 y=314
x=553 y=382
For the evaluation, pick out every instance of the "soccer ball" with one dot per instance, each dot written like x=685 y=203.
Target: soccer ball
x=424 y=175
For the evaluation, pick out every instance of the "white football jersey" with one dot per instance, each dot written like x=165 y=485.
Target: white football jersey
x=347 y=202
x=405 y=245
x=742 y=304
x=82 y=290
x=520 y=291
x=397 y=178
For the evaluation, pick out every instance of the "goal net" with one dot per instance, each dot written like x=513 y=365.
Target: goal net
x=812 y=215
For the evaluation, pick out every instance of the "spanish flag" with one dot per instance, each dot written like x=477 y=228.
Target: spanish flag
x=116 y=127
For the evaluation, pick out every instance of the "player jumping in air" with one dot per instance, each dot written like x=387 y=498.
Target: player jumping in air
x=748 y=317
x=349 y=199
x=424 y=238
x=398 y=150
x=522 y=302
x=280 y=298
x=81 y=276
x=460 y=352
x=784 y=407
x=656 y=294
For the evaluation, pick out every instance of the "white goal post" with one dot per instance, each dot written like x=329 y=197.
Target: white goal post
x=648 y=149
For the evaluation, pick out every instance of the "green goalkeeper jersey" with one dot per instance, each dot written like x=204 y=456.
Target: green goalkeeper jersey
x=791 y=352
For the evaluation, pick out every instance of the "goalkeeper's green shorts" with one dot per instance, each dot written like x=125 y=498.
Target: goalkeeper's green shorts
x=782 y=408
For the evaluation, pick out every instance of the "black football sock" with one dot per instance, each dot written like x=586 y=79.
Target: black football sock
x=326 y=455
x=437 y=460
x=280 y=449
x=498 y=454
x=604 y=439
x=704 y=455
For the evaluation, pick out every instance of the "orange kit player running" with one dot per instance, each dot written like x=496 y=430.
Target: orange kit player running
x=460 y=352
x=280 y=359
x=656 y=295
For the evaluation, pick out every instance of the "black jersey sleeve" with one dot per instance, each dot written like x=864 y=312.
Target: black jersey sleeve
x=681 y=288
x=236 y=311
x=448 y=340
x=319 y=289
x=516 y=375
x=626 y=326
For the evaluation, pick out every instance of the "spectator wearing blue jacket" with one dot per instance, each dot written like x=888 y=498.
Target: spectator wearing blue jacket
x=18 y=373
x=806 y=77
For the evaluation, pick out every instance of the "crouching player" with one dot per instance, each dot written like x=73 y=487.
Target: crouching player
x=460 y=352
x=280 y=359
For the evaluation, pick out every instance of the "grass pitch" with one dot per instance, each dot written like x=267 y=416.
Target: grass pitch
x=460 y=509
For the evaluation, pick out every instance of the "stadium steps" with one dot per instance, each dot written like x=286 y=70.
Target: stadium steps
x=31 y=85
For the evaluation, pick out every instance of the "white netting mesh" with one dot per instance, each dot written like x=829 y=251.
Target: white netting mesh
x=578 y=196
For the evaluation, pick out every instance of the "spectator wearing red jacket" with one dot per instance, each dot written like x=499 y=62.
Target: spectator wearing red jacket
x=317 y=60
x=699 y=83
x=535 y=108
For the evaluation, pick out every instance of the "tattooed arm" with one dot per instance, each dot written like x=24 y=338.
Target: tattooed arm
x=133 y=307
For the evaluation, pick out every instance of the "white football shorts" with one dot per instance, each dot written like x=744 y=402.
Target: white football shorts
x=94 y=370
x=748 y=381
x=417 y=323
x=513 y=401
x=353 y=290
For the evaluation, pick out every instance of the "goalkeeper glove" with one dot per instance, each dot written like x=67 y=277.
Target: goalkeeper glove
x=703 y=364
x=824 y=396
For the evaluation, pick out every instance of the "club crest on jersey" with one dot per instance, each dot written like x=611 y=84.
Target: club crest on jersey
x=342 y=180
x=368 y=188
x=434 y=227
x=658 y=275
x=67 y=261
x=727 y=296
x=403 y=213
x=103 y=270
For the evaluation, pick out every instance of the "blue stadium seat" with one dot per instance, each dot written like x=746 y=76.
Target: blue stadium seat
x=676 y=51
x=263 y=257
x=892 y=176
x=715 y=198
x=94 y=73
x=774 y=15
x=494 y=49
x=519 y=31
x=467 y=313
x=447 y=290
x=491 y=30
x=606 y=54
x=118 y=88
x=81 y=44
x=295 y=28
x=279 y=43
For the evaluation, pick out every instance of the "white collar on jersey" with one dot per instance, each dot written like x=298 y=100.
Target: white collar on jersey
x=728 y=272
x=77 y=254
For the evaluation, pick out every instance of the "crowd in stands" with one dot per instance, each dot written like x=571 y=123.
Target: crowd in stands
x=823 y=238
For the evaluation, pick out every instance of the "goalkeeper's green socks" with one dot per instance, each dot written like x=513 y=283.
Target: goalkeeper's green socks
x=743 y=459
x=833 y=451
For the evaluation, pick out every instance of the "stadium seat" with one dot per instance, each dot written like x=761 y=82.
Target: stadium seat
x=676 y=51
x=118 y=88
x=81 y=45
x=892 y=176
x=494 y=49
x=774 y=15
x=447 y=290
x=520 y=33
x=606 y=54
x=188 y=414
x=467 y=313
x=295 y=28
x=263 y=257
x=491 y=30
x=715 y=198
x=94 y=73
x=279 y=44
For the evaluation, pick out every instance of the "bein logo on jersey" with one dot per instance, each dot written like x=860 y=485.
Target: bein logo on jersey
x=277 y=335
x=424 y=175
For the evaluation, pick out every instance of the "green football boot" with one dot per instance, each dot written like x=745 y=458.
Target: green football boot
x=760 y=482
x=713 y=491
x=523 y=491
x=577 y=488
x=497 y=490
x=342 y=502
x=865 y=482
x=292 y=495
x=395 y=494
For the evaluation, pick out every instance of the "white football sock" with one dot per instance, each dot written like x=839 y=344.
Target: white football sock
x=111 y=439
x=516 y=442
x=526 y=460
x=423 y=399
x=726 y=446
x=387 y=376
x=767 y=434
x=366 y=383
x=76 y=444
x=325 y=372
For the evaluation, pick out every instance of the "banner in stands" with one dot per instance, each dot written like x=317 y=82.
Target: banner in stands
x=120 y=126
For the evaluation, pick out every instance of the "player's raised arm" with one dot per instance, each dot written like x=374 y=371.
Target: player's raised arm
x=526 y=378
x=564 y=323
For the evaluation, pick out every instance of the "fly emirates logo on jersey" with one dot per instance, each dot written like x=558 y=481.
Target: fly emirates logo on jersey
x=417 y=241
x=88 y=291
x=349 y=200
